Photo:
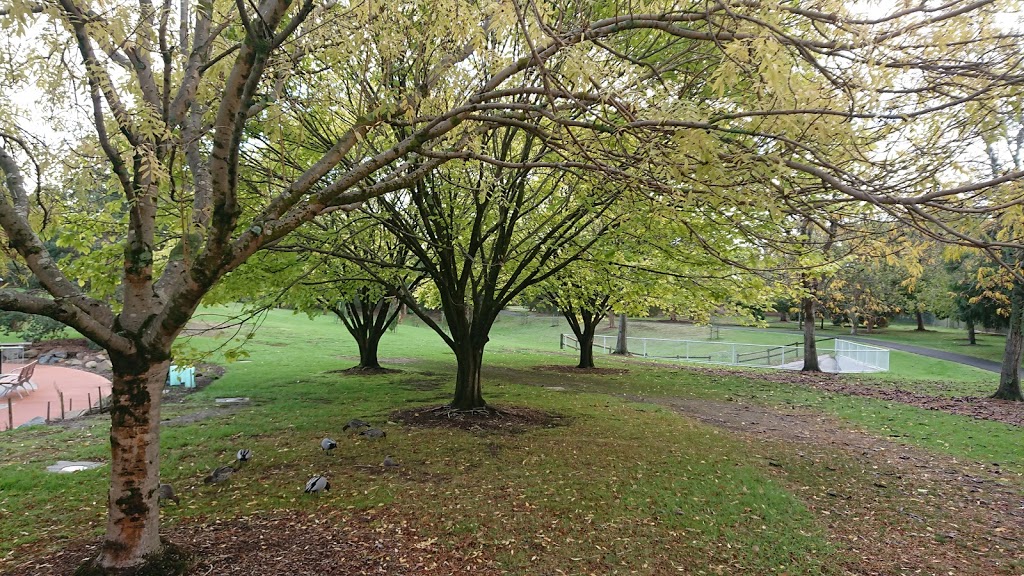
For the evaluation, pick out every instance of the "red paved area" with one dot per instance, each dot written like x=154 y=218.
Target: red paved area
x=77 y=386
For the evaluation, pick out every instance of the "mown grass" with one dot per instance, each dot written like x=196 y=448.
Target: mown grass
x=594 y=495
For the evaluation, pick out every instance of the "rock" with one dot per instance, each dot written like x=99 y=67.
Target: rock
x=64 y=467
x=31 y=353
x=73 y=362
x=37 y=421
x=61 y=354
x=91 y=364
x=47 y=359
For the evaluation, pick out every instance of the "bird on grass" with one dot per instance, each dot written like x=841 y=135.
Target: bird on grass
x=244 y=455
x=328 y=444
x=389 y=462
x=317 y=484
x=373 y=433
x=219 y=474
x=166 y=492
x=355 y=424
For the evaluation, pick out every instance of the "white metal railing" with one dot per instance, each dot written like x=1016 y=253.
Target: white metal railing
x=852 y=356
x=870 y=358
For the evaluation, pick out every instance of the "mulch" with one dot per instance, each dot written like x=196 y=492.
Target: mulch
x=563 y=369
x=503 y=419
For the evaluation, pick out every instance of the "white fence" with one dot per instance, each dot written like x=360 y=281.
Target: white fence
x=850 y=356
x=854 y=355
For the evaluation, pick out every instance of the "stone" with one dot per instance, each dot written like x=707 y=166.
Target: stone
x=64 y=466
x=47 y=359
x=62 y=354
x=91 y=364
x=31 y=353
x=237 y=400
x=73 y=362
x=37 y=421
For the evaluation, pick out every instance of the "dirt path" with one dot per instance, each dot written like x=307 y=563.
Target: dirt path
x=895 y=509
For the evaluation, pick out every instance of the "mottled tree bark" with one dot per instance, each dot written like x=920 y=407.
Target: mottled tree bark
x=1009 y=376
x=133 y=515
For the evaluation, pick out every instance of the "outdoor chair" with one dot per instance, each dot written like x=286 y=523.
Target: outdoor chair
x=19 y=380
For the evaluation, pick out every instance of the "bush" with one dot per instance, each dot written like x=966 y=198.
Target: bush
x=30 y=327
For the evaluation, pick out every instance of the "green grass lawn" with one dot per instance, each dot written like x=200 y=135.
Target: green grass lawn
x=593 y=495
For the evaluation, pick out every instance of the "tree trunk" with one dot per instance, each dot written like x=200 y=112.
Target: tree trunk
x=367 y=325
x=810 y=346
x=783 y=315
x=920 y=320
x=368 y=352
x=621 y=344
x=583 y=323
x=854 y=323
x=586 y=352
x=586 y=339
x=972 y=339
x=468 y=391
x=133 y=519
x=1009 y=377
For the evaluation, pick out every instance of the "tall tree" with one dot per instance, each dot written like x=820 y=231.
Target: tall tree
x=485 y=232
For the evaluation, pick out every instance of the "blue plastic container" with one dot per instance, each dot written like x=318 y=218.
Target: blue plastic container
x=183 y=376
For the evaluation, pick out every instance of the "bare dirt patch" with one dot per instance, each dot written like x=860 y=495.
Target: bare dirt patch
x=895 y=509
x=563 y=369
x=505 y=419
x=326 y=541
x=363 y=371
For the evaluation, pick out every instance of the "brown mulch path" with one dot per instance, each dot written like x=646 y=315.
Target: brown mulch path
x=982 y=408
x=319 y=543
x=895 y=509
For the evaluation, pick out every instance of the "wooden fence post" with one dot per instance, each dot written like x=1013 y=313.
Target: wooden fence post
x=47 y=411
x=10 y=414
x=60 y=395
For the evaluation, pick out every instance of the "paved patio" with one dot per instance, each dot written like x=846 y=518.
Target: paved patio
x=78 y=387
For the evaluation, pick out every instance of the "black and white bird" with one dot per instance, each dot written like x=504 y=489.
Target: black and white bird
x=317 y=484
x=244 y=455
x=219 y=474
x=328 y=444
x=355 y=424
x=373 y=433
x=166 y=492
x=389 y=462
